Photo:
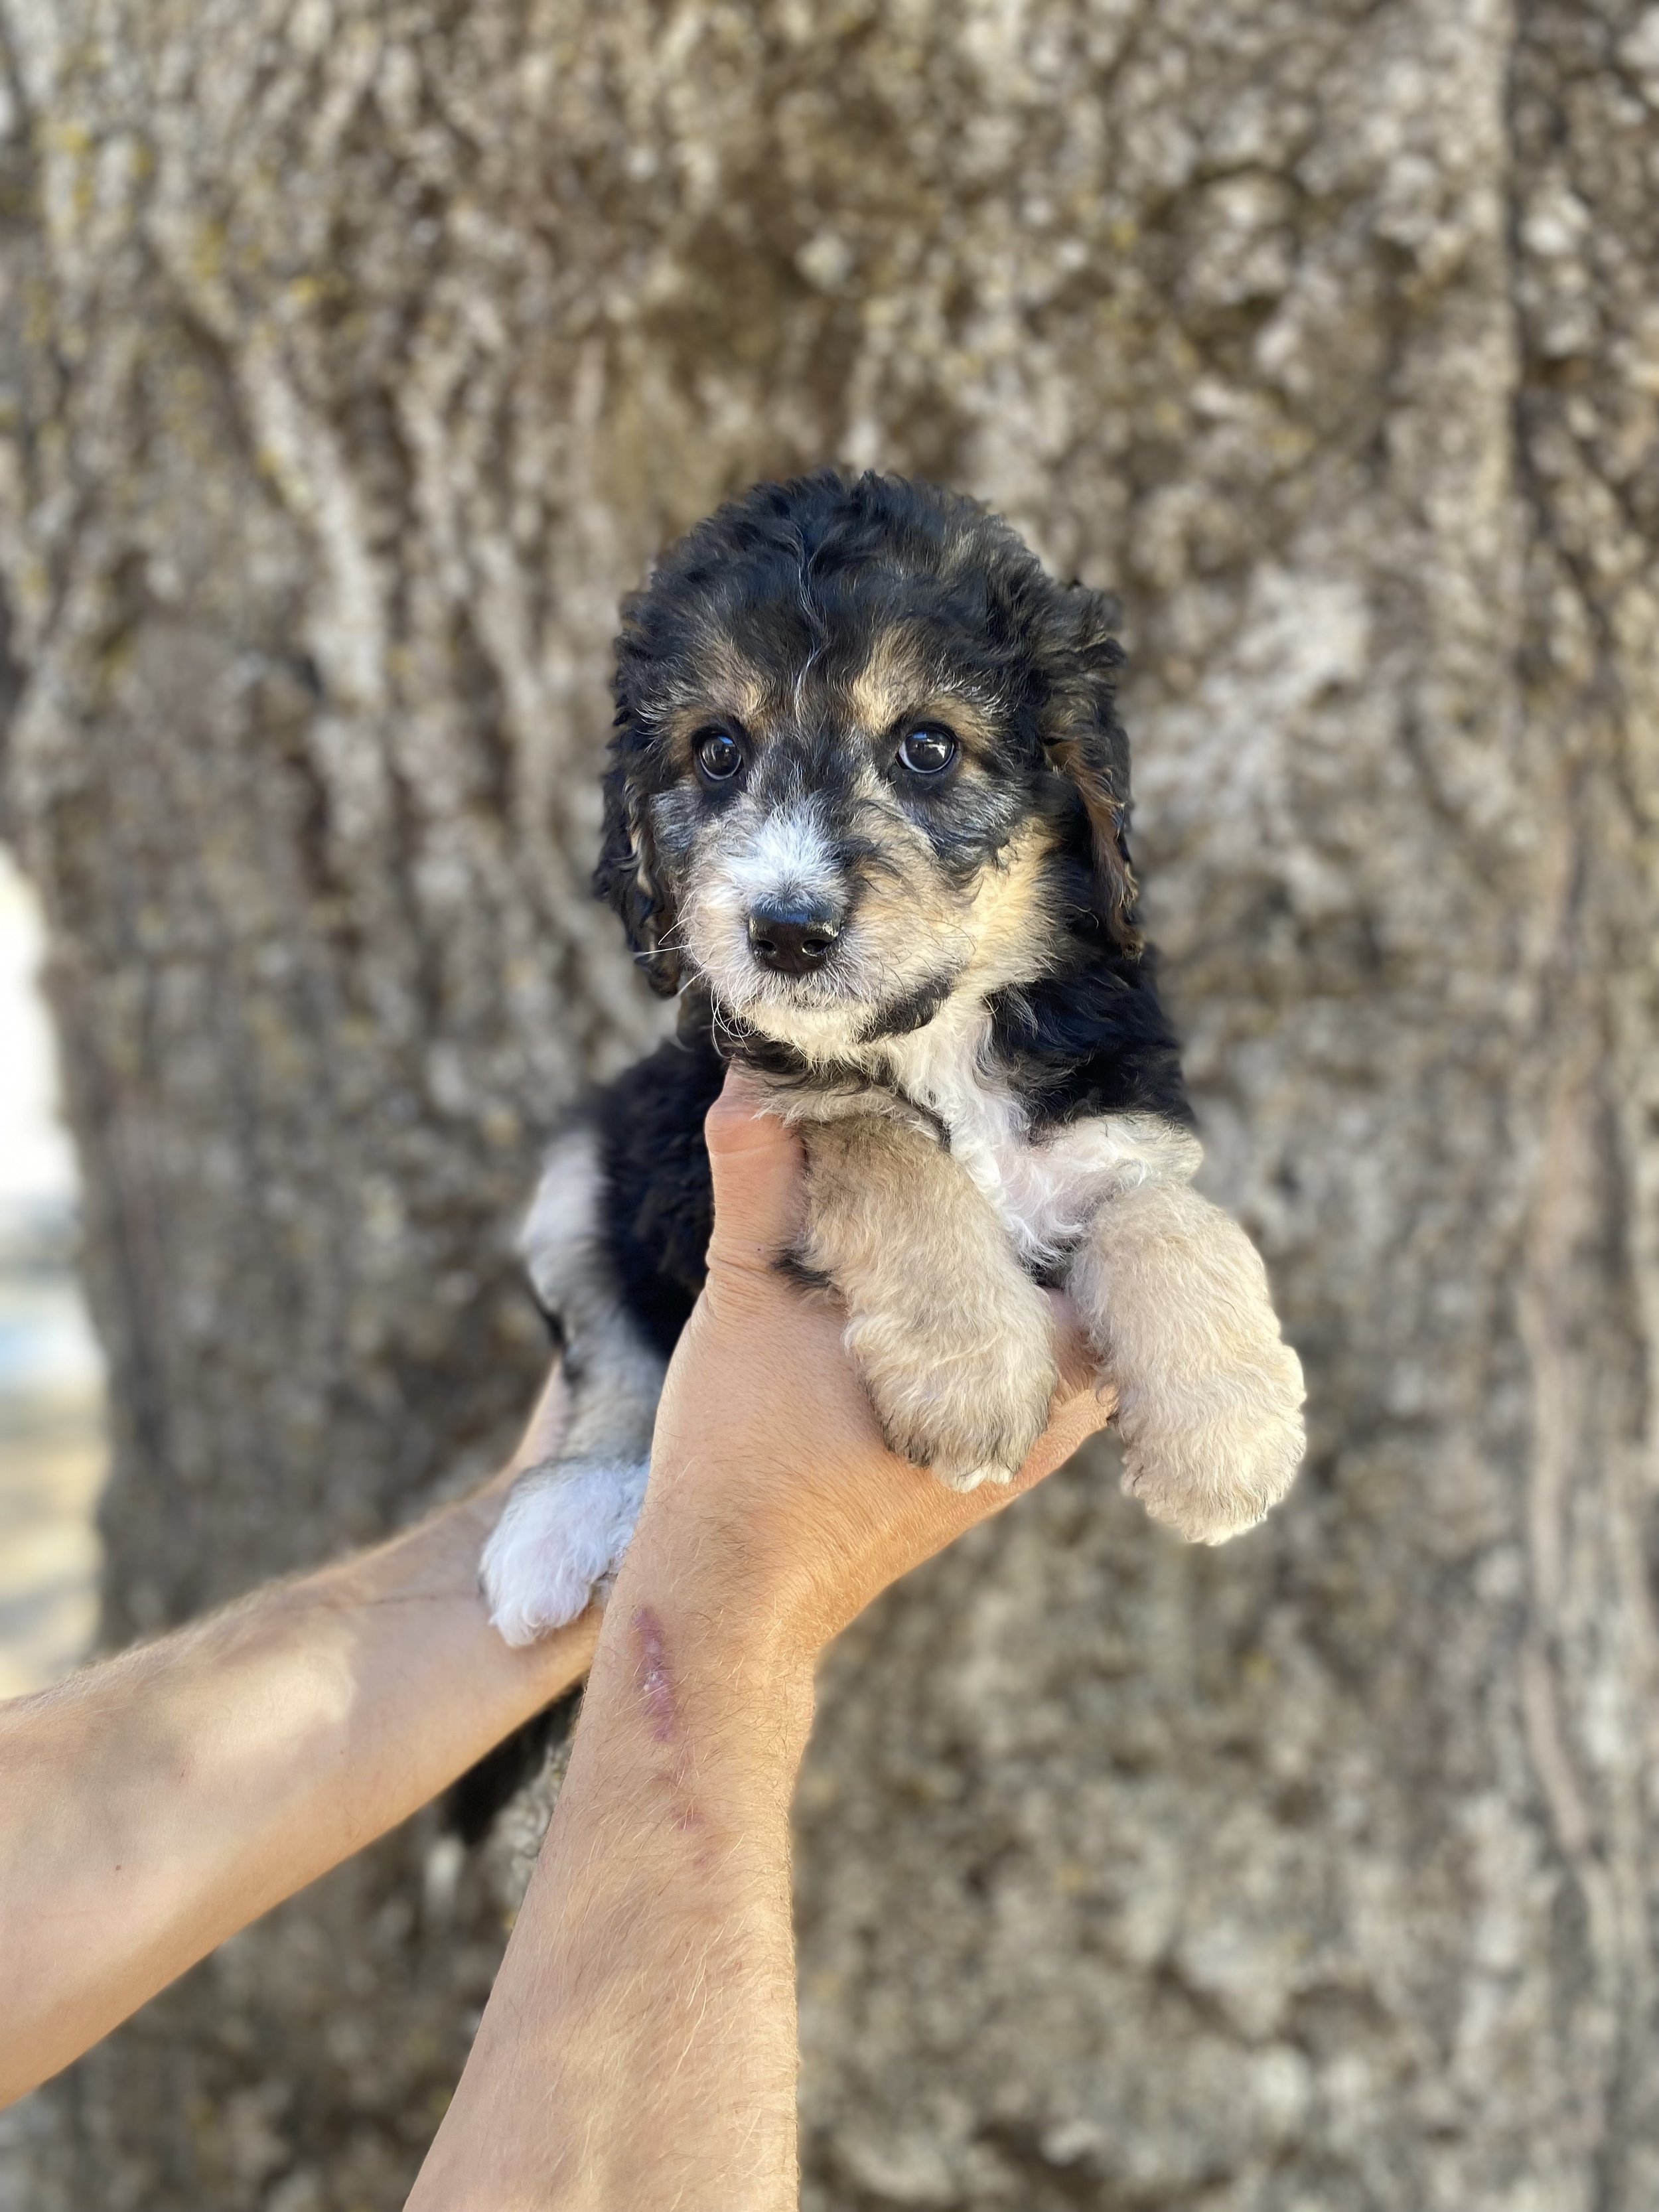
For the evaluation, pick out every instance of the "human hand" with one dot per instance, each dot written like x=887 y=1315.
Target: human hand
x=775 y=1506
x=640 y=2046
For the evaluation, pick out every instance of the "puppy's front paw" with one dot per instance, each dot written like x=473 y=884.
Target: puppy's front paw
x=967 y=1404
x=565 y=1528
x=1211 y=1457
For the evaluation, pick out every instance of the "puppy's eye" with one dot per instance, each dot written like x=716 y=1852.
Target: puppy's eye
x=719 y=755
x=928 y=750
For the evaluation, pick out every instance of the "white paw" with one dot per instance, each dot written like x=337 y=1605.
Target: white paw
x=1211 y=1458
x=566 y=1526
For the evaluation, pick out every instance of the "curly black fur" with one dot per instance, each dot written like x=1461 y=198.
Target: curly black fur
x=661 y=1202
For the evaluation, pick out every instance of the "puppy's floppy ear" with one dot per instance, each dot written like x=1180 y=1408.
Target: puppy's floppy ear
x=1086 y=742
x=626 y=877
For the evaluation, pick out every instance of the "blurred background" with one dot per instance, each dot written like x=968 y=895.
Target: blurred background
x=51 y=1449
x=355 y=356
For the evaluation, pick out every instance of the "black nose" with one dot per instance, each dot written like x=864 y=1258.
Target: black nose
x=791 y=937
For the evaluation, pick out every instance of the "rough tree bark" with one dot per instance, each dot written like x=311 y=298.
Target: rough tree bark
x=358 y=352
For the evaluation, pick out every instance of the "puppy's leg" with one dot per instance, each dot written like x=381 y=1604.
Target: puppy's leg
x=1175 y=1299
x=567 y=1522
x=949 y=1335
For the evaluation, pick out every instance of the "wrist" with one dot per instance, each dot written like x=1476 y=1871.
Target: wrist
x=757 y=1593
x=700 y=1658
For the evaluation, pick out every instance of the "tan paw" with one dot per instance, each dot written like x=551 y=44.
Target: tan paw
x=969 y=1408
x=1211 y=1458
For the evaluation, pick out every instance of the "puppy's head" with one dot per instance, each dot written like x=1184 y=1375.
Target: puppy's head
x=866 y=756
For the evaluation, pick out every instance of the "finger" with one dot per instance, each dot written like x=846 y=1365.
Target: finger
x=756 y=1161
x=1080 y=1367
x=543 y=1432
x=545 y=1427
x=1080 y=1412
x=1073 y=1421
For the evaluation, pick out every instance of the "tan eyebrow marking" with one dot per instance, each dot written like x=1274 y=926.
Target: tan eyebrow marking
x=889 y=681
x=721 y=681
x=902 y=679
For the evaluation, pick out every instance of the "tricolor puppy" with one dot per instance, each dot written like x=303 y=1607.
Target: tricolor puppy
x=864 y=814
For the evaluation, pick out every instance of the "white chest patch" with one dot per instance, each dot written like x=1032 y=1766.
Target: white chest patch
x=1047 y=1190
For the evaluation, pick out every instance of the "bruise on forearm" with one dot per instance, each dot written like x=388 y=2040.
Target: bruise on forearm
x=656 y=1683
x=658 y=1703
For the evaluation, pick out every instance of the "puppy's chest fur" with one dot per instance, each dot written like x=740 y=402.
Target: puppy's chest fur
x=1044 y=1185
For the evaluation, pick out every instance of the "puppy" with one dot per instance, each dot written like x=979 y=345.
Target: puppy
x=864 y=814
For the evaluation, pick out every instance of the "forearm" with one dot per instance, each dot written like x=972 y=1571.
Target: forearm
x=639 y=2047
x=152 y=1806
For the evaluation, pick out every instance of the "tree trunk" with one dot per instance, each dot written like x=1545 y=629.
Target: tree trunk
x=358 y=357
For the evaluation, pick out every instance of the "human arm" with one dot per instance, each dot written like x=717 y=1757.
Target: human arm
x=152 y=1804
x=639 y=2047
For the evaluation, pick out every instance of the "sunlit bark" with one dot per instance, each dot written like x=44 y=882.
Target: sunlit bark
x=358 y=355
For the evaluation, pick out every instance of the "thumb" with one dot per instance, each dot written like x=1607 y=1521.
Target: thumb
x=756 y=1164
